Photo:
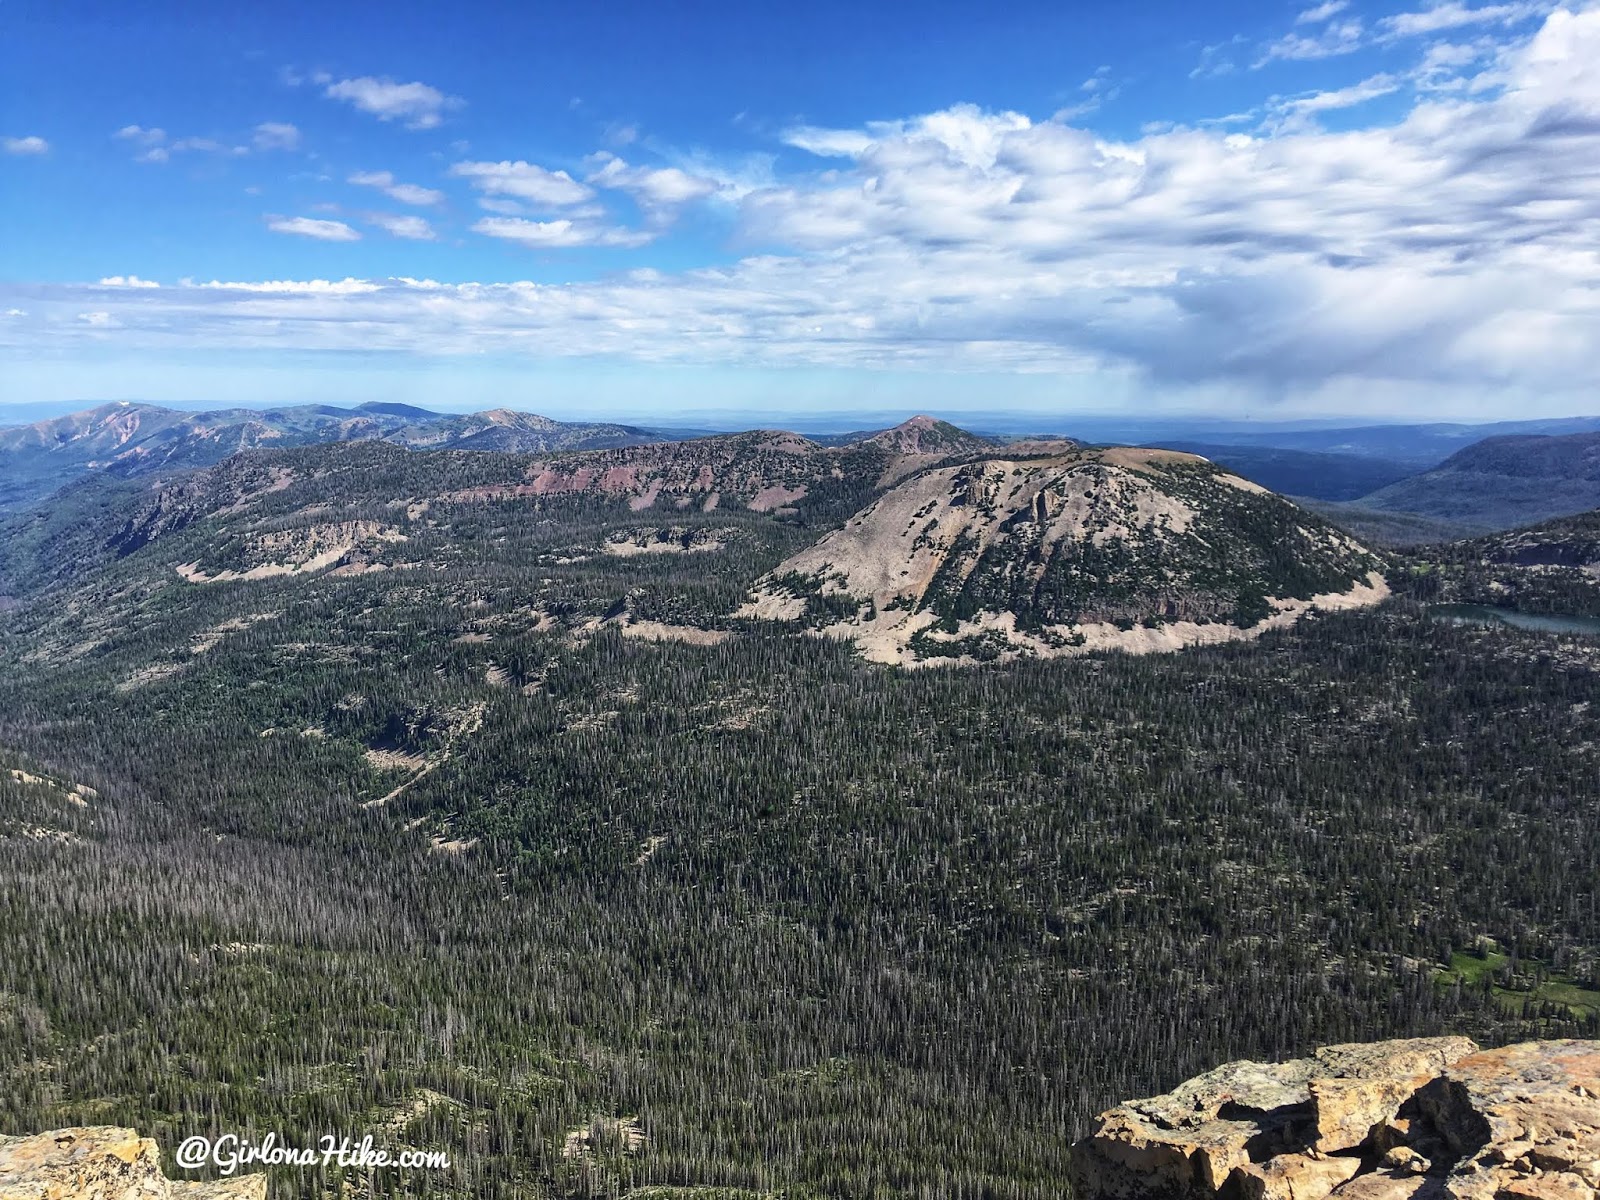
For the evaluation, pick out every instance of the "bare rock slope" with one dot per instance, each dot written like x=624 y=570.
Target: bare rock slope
x=1421 y=1119
x=1069 y=551
x=103 y=1162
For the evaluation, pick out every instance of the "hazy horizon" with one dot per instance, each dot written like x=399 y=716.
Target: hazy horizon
x=1088 y=424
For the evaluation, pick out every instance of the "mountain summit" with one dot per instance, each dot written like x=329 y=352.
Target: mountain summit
x=1088 y=549
x=928 y=435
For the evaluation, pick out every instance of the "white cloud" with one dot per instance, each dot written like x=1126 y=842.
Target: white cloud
x=276 y=135
x=654 y=187
x=25 y=145
x=205 y=146
x=1217 y=59
x=100 y=320
x=560 y=234
x=406 y=193
x=412 y=228
x=1339 y=37
x=1315 y=16
x=154 y=145
x=150 y=142
x=1453 y=15
x=524 y=181
x=312 y=227
x=416 y=104
x=828 y=143
x=1347 y=97
x=1448 y=254
x=293 y=287
x=15 y=312
x=127 y=281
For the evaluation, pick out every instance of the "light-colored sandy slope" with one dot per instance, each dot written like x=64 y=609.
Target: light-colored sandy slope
x=302 y=551
x=891 y=549
x=887 y=638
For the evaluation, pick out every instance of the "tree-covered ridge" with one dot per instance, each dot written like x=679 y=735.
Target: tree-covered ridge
x=1553 y=567
x=129 y=440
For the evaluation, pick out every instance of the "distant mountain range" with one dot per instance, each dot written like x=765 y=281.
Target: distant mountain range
x=128 y=440
x=1321 y=475
x=1498 y=483
x=1414 y=446
x=1394 y=484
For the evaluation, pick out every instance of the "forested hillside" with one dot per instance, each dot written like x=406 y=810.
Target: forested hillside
x=439 y=796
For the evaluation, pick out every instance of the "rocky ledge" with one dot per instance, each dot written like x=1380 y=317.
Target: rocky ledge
x=1424 y=1119
x=103 y=1162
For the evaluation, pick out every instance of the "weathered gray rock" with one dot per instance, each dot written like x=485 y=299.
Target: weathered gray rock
x=103 y=1162
x=1421 y=1119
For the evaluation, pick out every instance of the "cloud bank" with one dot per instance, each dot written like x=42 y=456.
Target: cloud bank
x=1450 y=253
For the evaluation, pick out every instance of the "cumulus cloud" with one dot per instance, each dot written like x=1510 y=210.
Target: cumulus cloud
x=150 y=142
x=128 y=281
x=406 y=193
x=523 y=181
x=1448 y=253
x=276 y=135
x=25 y=145
x=416 y=105
x=655 y=187
x=560 y=234
x=410 y=227
x=312 y=227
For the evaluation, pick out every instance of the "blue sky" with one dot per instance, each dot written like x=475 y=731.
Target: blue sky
x=1276 y=210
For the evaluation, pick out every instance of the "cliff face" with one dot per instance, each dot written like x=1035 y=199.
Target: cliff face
x=103 y=1162
x=1424 y=1119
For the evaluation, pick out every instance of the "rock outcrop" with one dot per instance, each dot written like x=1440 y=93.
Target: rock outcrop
x=103 y=1162
x=1423 y=1119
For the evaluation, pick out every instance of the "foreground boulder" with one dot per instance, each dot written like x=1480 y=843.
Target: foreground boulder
x=1419 y=1119
x=103 y=1162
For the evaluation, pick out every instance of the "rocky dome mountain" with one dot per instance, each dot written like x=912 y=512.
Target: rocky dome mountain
x=1088 y=549
x=130 y=440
